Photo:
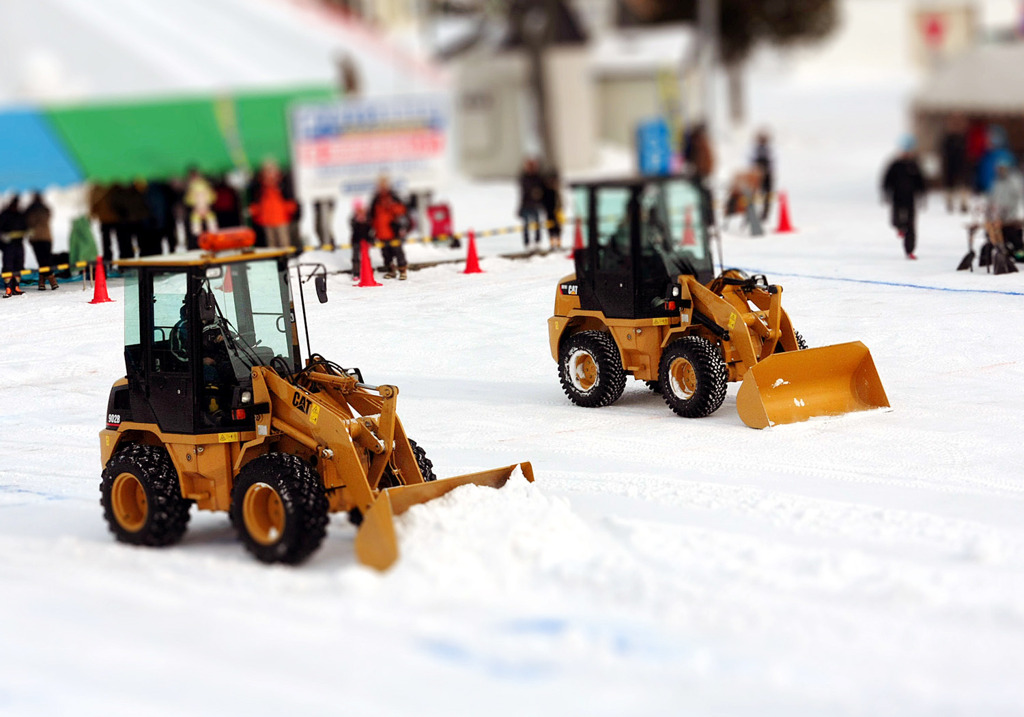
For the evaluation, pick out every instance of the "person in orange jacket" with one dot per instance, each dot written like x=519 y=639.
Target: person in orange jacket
x=389 y=222
x=272 y=204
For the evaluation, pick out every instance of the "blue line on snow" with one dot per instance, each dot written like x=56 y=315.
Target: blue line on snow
x=888 y=283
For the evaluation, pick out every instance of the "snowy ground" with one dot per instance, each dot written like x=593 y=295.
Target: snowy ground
x=864 y=565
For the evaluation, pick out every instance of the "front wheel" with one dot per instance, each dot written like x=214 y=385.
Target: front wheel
x=141 y=497
x=590 y=369
x=279 y=508
x=693 y=377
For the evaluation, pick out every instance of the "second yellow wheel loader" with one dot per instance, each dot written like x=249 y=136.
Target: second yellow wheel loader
x=217 y=410
x=644 y=301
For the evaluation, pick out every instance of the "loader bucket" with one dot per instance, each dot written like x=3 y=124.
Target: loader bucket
x=797 y=385
x=376 y=544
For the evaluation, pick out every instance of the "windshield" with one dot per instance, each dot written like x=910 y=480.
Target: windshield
x=672 y=229
x=253 y=300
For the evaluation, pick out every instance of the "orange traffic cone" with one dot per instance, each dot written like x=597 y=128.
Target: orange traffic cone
x=785 y=226
x=99 y=294
x=366 y=268
x=577 y=241
x=688 y=236
x=472 y=261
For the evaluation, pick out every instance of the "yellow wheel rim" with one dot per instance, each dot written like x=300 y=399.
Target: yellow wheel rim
x=682 y=378
x=263 y=513
x=582 y=370
x=129 y=502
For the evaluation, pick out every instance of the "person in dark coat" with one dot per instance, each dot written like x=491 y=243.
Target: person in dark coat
x=40 y=236
x=160 y=199
x=101 y=209
x=553 y=207
x=531 y=201
x=226 y=203
x=124 y=201
x=903 y=185
x=12 y=245
x=136 y=221
x=360 y=234
x=764 y=160
x=388 y=216
x=955 y=169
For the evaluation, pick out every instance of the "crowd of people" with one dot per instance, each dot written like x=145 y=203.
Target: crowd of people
x=976 y=163
x=145 y=218
x=18 y=224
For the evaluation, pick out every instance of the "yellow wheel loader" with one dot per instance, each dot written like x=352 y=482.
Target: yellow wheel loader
x=217 y=409
x=644 y=301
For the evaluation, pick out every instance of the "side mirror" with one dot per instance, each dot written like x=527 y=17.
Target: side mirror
x=320 y=282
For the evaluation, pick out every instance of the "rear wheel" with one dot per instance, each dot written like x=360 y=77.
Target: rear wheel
x=141 y=497
x=590 y=369
x=693 y=377
x=279 y=508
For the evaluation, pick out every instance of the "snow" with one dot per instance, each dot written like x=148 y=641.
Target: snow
x=859 y=565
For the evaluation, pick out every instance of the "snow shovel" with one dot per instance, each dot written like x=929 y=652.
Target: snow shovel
x=376 y=544
x=797 y=385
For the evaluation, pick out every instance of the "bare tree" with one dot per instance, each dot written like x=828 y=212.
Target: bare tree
x=743 y=25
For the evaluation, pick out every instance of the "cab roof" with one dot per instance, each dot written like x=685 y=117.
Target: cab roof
x=202 y=258
x=634 y=180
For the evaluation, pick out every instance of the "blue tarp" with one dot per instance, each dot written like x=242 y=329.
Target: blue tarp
x=31 y=155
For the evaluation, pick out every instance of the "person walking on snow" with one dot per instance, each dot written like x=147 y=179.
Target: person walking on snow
x=387 y=220
x=531 y=201
x=764 y=160
x=902 y=185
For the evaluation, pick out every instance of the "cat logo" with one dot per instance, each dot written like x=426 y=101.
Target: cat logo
x=301 y=402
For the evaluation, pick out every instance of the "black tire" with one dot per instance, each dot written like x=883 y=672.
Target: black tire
x=426 y=465
x=801 y=344
x=279 y=508
x=590 y=369
x=388 y=480
x=693 y=377
x=141 y=497
x=655 y=386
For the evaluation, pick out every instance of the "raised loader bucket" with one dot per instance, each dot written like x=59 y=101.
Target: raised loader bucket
x=796 y=385
x=376 y=544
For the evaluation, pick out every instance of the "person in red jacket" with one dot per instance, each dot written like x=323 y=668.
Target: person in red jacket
x=273 y=204
x=388 y=221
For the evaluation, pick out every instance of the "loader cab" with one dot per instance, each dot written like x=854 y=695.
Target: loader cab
x=195 y=325
x=640 y=234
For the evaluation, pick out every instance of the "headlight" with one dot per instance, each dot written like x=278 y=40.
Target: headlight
x=246 y=397
x=675 y=290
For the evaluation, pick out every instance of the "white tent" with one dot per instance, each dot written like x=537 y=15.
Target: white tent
x=56 y=51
